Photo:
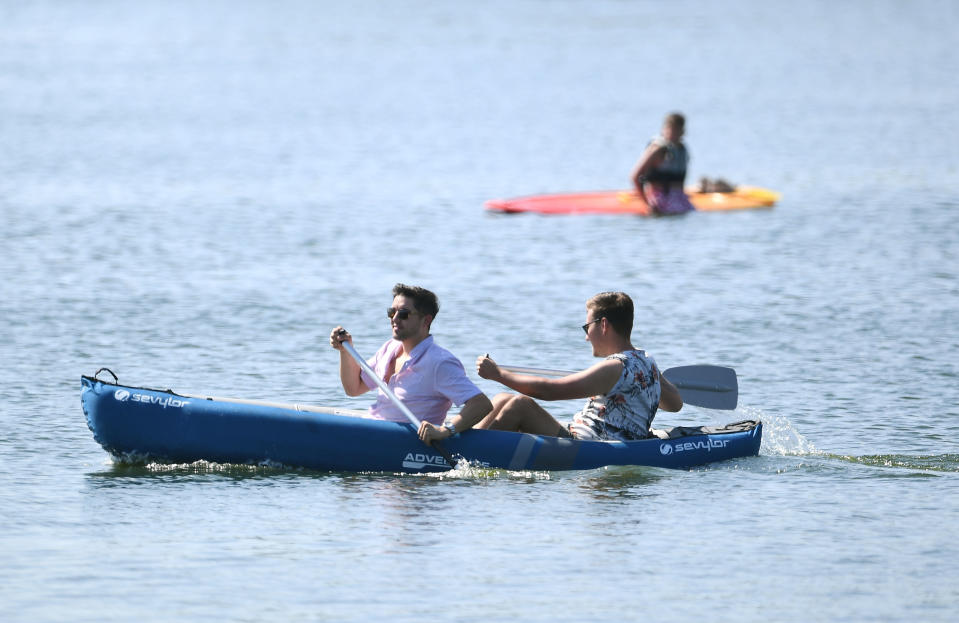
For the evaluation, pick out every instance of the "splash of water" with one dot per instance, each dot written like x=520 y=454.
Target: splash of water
x=924 y=463
x=468 y=470
x=780 y=436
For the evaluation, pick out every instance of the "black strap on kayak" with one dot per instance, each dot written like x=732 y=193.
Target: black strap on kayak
x=115 y=379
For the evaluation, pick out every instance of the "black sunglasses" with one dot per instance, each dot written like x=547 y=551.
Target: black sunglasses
x=586 y=326
x=401 y=313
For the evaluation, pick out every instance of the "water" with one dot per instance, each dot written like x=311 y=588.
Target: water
x=193 y=194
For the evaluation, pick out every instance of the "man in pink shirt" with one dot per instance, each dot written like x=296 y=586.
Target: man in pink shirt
x=427 y=378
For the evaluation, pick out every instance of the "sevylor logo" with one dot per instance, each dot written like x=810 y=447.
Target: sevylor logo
x=122 y=395
x=687 y=446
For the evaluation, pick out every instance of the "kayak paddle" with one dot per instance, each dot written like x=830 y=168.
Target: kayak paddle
x=415 y=421
x=712 y=387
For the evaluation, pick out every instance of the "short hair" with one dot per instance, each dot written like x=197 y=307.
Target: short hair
x=676 y=120
x=424 y=301
x=616 y=308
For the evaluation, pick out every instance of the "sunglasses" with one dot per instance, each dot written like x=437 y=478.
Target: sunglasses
x=586 y=326
x=400 y=313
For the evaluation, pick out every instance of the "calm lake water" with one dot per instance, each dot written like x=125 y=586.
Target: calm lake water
x=193 y=194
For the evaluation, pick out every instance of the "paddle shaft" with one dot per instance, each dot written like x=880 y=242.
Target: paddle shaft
x=699 y=383
x=415 y=421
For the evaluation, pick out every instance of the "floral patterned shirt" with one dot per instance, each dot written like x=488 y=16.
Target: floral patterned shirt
x=626 y=412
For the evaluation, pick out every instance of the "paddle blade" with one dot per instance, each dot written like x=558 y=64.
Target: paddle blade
x=713 y=387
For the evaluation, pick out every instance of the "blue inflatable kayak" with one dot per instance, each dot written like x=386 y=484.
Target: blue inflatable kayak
x=140 y=424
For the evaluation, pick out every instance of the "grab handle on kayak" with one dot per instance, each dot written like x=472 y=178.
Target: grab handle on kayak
x=97 y=374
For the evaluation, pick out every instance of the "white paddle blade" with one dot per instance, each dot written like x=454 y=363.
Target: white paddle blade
x=713 y=387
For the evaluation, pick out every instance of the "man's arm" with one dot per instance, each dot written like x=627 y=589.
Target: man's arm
x=474 y=410
x=593 y=381
x=350 y=372
x=669 y=396
x=650 y=158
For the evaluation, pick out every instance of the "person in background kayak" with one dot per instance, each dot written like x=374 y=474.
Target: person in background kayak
x=661 y=171
x=624 y=390
x=428 y=379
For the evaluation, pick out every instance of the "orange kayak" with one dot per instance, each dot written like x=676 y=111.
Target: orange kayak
x=626 y=202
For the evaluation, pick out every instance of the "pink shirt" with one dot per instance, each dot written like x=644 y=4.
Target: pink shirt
x=431 y=381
